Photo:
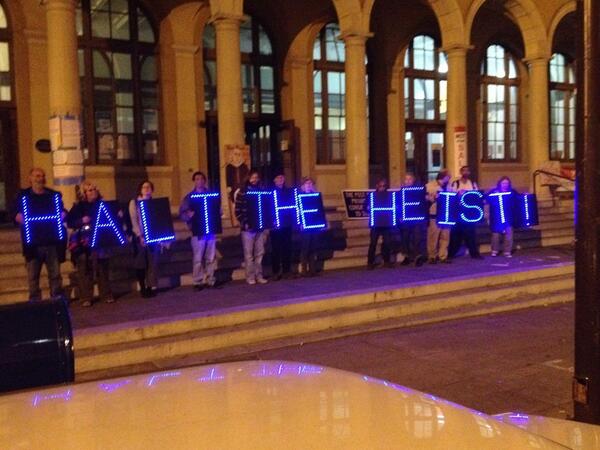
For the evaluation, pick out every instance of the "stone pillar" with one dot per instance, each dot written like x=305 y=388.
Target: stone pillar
x=456 y=115
x=229 y=89
x=538 y=147
x=357 y=143
x=188 y=154
x=303 y=115
x=63 y=91
x=396 y=129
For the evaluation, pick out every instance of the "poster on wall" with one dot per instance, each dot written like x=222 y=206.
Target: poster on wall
x=355 y=203
x=460 y=146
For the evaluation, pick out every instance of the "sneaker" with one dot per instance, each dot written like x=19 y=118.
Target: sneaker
x=251 y=281
x=110 y=300
x=508 y=255
x=419 y=261
x=405 y=262
x=389 y=265
x=261 y=280
x=86 y=303
x=432 y=261
x=198 y=287
x=494 y=254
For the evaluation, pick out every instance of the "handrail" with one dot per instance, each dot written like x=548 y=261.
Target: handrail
x=552 y=174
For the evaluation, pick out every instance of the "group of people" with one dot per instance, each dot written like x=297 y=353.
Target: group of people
x=435 y=243
x=420 y=242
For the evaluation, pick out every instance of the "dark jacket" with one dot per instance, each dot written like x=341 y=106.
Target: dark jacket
x=30 y=251
x=241 y=205
x=79 y=241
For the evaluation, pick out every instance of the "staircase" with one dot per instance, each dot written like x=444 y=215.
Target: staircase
x=345 y=245
x=197 y=337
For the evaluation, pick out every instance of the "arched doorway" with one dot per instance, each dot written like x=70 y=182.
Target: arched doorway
x=259 y=99
x=8 y=120
x=425 y=106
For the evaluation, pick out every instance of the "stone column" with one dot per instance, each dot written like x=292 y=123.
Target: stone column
x=188 y=156
x=456 y=115
x=357 y=143
x=229 y=89
x=63 y=90
x=396 y=129
x=538 y=147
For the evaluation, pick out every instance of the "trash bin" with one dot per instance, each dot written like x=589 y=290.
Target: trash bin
x=36 y=345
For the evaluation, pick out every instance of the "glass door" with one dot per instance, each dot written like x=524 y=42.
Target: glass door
x=9 y=172
x=424 y=151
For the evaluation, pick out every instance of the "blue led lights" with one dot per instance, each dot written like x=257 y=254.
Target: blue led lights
x=447 y=197
x=204 y=197
x=382 y=209
x=109 y=223
x=306 y=225
x=260 y=194
x=146 y=226
x=278 y=208
x=465 y=206
x=526 y=209
x=501 y=196
x=154 y=378
x=56 y=218
x=406 y=204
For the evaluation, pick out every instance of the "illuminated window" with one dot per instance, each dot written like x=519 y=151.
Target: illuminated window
x=562 y=108
x=329 y=85
x=425 y=85
x=500 y=107
x=118 y=68
x=6 y=83
x=258 y=73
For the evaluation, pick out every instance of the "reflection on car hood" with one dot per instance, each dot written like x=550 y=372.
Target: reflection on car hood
x=575 y=435
x=249 y=405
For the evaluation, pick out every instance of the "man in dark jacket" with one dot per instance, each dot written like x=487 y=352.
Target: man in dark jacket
x=36 y=255
x=253 y=240
x=281 y=238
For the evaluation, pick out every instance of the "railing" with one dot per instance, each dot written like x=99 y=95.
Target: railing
x=570 y=182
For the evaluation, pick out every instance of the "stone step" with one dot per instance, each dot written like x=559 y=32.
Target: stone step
x=103 y=349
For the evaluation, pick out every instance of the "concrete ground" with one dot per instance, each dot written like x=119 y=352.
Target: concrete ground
x=517 y=362
x=185 y=300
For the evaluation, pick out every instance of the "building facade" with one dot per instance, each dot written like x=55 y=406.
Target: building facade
x=342 y=90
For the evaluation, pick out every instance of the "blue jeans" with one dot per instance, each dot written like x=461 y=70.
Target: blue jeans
x=204 y=249
x=253 y=243
x=45 y=254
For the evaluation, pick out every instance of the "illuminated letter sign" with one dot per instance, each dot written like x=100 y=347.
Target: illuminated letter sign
x=108 y=227
x=312 y=212
x=207 y=213
x=413 y=207
x=260 y=210
x=42 y=219
x=156 y=220
x=471 y=207
x=447 y=207
x=501 y=210
x=525 y=211
x=287 y=210
x=382 y=209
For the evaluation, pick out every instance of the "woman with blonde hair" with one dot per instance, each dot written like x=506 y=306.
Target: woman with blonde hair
x=91 y=264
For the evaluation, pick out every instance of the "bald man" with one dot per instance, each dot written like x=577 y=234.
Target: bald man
x=38 y=255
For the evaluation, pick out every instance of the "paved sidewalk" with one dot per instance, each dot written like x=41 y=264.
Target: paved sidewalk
x=185 y=300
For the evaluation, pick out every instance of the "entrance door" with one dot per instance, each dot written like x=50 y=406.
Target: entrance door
x=264 y=152
x=425 y=152
x=9 y=172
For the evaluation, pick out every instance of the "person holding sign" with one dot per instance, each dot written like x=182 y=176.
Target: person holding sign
x=195 y=211
x=464 y=230
x=281 y=236
x=310 y=237
x=413 y=232
x=438 y=236
x=40 y=214
x=376 y=231
x=503 y=225
x=145 y=254
x=91 y=261
x=253 y=235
